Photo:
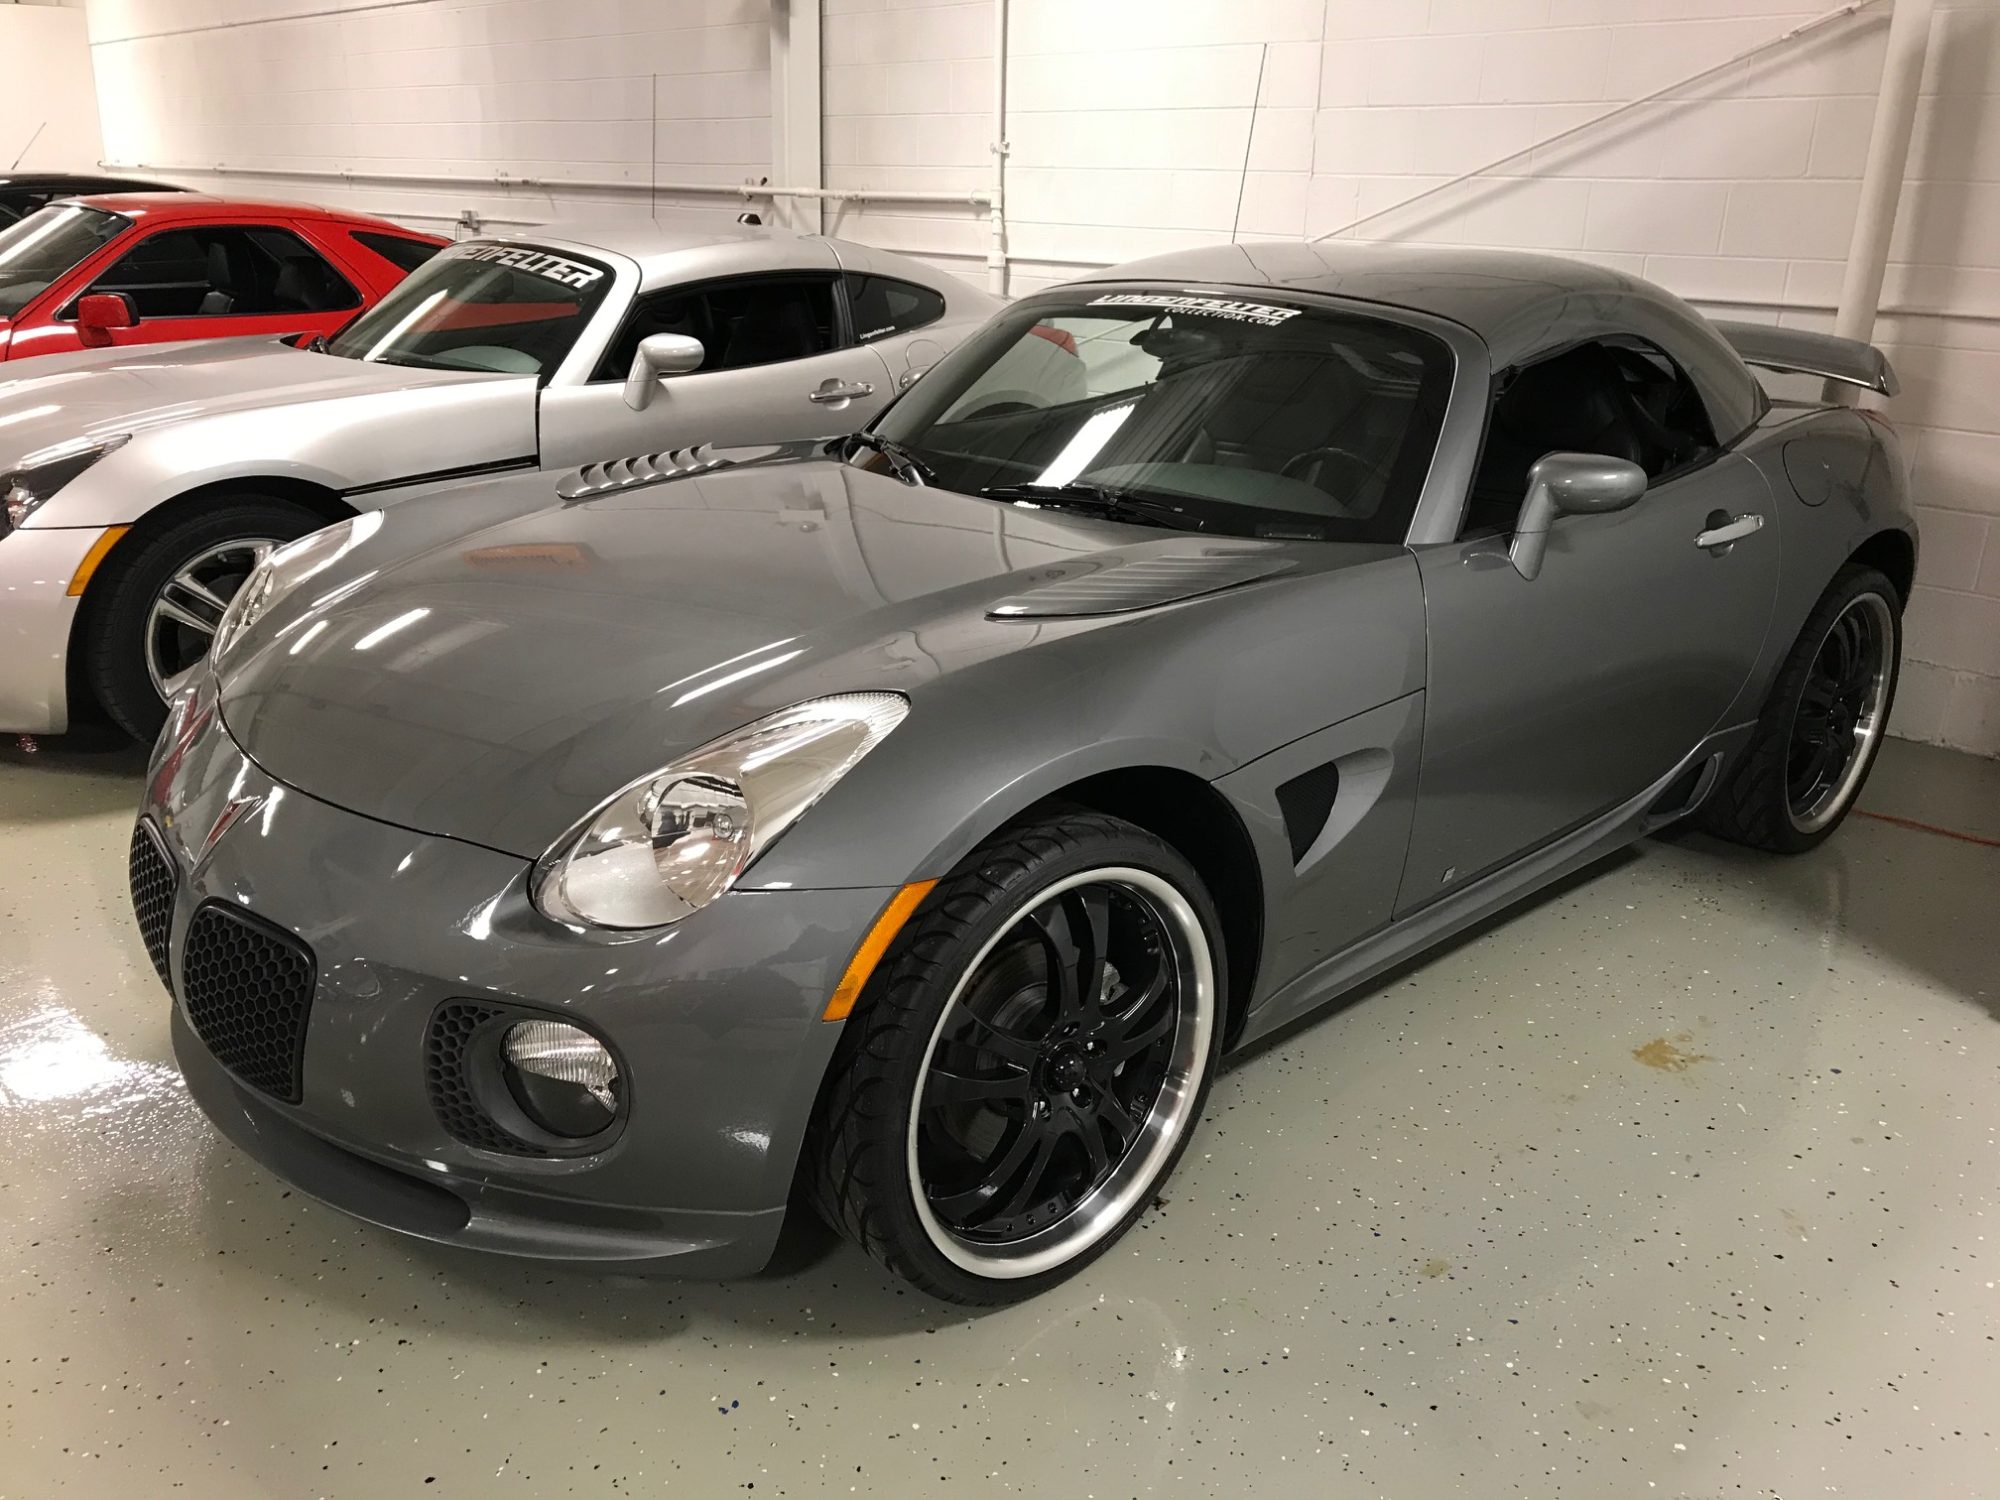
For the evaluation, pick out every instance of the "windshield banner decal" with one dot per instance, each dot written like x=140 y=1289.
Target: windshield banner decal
x=1208 y=307
x=539 y=263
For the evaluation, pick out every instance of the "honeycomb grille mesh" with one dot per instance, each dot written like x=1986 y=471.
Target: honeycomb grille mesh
x=248 y=992
x=152 y=897
x=448 y=1079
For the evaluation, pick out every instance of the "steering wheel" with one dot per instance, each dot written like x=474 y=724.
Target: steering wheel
x=1310 y=467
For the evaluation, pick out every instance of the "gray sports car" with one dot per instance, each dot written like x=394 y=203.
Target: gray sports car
x=916 y=820
x=139 y=486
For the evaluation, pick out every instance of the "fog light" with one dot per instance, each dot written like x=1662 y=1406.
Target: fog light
x=564 y=1077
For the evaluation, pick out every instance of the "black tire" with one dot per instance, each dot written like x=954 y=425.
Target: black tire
x=121 y=598
x=864 y=1140
x=1755 y=804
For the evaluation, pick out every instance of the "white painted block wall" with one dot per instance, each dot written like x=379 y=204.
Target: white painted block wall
x=1144 y=125
x=48 y=103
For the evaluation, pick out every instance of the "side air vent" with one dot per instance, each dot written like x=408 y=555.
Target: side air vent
x=1306 y=801
x=612 y=475
x=1122 y=585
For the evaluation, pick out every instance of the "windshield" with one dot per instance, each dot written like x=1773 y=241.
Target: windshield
x=40 y=249
x=511 y=309
x=1199 y=408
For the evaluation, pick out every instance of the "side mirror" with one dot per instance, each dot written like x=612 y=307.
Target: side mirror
x=100 y=313
x=660 y=354
x=1569 y=484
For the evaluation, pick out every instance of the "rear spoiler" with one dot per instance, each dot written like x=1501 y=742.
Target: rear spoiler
x=1794 y=351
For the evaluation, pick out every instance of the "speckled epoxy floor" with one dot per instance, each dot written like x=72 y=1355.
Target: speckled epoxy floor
x=1680 y=1182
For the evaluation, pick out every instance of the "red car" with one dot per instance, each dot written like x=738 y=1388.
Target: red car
x=152 y=268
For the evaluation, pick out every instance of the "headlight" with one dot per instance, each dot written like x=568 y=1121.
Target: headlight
x=24 y=487
x=284 y=570
x=671 y=842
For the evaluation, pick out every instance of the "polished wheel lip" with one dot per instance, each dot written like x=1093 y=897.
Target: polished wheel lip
x=1170 y=1115
x=185 y=600
x=1827 y=802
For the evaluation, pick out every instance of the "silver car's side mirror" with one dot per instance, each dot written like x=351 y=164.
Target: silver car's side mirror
x=1569 y=484
x=660 y=354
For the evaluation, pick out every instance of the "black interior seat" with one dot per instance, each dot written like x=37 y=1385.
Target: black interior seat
x=221 y=296
x=771 y=328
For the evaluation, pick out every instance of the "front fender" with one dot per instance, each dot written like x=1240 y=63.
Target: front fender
x=1202 y=687
x=339 y=445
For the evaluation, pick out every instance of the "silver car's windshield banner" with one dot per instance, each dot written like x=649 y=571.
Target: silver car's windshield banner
x=1208 y=307
x=539 y=263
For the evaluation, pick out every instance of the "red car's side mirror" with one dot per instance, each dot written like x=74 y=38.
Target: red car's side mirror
x=98 y=314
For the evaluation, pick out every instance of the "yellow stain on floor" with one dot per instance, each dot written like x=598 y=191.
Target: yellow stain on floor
x=1669 y=1056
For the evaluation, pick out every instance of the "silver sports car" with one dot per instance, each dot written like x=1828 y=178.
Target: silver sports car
x=919 y=818
x=139 y=486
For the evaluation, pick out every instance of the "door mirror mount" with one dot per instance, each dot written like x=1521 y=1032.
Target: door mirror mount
x=99 y=314
x=658 y=355
x=1569 y=484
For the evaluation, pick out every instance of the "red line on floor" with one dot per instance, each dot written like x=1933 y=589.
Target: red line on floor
x=1950 y=833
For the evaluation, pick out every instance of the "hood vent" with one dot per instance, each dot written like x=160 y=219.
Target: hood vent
x=1121 y=585
x=612 y=475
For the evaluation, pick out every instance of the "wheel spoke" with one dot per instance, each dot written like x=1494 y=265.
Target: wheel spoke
x=948 y=1086
x=976 y=1031
x=172 y=609
x=1028 y=1149
x=1088 y=1128
x=1132 y=1043
x=188 y=584
x=1074 y=930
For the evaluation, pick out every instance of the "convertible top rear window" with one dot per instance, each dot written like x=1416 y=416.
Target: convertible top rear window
x=1204 y=409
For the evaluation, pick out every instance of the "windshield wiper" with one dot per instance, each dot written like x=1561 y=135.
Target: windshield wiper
x=909 y=468
x=1099 y=500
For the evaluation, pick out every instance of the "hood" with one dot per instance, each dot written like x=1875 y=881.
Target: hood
x=59 y=397
x=496 y=686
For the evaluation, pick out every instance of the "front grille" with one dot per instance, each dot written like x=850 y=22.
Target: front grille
x=448 y=1075
x=248 y=989
x=153 y=882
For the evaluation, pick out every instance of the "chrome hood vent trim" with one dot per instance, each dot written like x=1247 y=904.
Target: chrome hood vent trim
x=1121 y=585
x=612 y=475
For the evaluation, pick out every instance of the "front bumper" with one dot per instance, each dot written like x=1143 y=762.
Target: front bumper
x=36 y=613
x=715 y=1020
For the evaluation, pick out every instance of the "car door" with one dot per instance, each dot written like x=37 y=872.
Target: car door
x=780 y=364
x=227 y=280
x=1552 y=700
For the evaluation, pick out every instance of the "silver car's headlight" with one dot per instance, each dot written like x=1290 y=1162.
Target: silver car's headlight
x=25 y=487
x=670 y=842
x=284 y=570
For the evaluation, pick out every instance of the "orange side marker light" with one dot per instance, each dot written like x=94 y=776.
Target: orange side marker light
x=81 y=579
x=869 y=954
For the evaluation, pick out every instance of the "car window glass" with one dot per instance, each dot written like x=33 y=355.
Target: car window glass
x=404 y=254
x=45 y=246
x=760 y=321
x=1622 y=397
x=227 y=270
x=501 y=308
x=882 y=305
x=1242 y=417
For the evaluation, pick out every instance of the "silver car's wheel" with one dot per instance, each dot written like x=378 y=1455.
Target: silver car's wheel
x=1841 y=714
x=151 y=611
x=181 y=624
x=1027 y=1063
x=1062 y=1073
x=1806 y=761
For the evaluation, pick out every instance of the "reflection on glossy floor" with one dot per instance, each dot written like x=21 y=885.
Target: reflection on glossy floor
x=1682 y=1182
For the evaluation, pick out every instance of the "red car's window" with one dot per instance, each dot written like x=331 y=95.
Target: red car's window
x=227 y=270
